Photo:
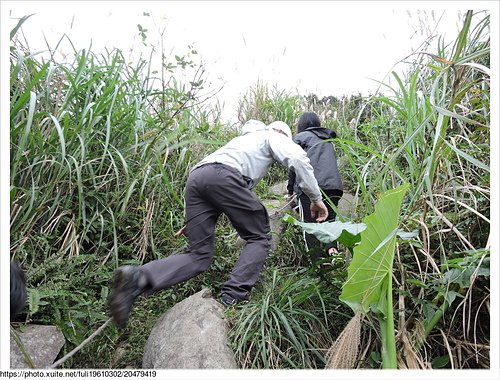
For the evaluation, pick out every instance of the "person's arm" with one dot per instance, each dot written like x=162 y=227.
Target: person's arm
x=293 y=157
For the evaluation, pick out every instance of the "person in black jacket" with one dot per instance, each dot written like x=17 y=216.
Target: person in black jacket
x=311 y=137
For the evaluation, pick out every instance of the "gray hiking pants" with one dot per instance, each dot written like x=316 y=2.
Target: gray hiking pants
x=211 y=190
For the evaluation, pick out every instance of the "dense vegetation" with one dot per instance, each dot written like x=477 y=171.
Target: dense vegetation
x=100 y=151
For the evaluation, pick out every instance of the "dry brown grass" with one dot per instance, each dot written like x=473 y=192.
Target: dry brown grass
x=343 y=354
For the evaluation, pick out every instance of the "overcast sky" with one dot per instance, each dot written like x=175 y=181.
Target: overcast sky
x=326 y=47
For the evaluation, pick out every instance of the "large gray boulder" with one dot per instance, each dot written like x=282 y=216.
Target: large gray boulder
x=191 y=335
x=41 y=343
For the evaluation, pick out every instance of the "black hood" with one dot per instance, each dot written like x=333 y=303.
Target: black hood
x=322 y=133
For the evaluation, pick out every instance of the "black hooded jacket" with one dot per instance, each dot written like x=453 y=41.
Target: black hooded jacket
x=322 y=156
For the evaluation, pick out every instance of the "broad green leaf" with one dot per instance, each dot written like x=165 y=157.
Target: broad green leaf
x=346 y=233
x=373 y=257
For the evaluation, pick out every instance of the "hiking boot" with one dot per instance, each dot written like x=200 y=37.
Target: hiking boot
x=125 y=290
x=227 y=300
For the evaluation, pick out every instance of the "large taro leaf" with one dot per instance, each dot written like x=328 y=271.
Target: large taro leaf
x=368 y=274
x=346 y=233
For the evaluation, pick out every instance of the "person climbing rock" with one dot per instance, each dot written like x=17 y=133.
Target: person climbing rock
x=311 y=137
x=219 y=184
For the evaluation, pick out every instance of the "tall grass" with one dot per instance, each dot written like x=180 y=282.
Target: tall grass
x=269 y=104
x=100 y=151
x=284 y=327
x=437 y=123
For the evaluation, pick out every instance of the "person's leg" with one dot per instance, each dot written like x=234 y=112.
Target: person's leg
x=131 y=281
x=332 y=196
x=249 y=217
x=201 y=218
x=221 y=190
x=312 y=243
x=318 y=250
x=253 y=227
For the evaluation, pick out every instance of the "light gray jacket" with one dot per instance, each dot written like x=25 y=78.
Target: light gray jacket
x=259 y=146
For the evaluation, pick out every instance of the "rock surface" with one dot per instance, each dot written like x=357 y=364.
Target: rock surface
x=191 y=335
x=42 y=344
x=347 y=205
x=276 y=210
